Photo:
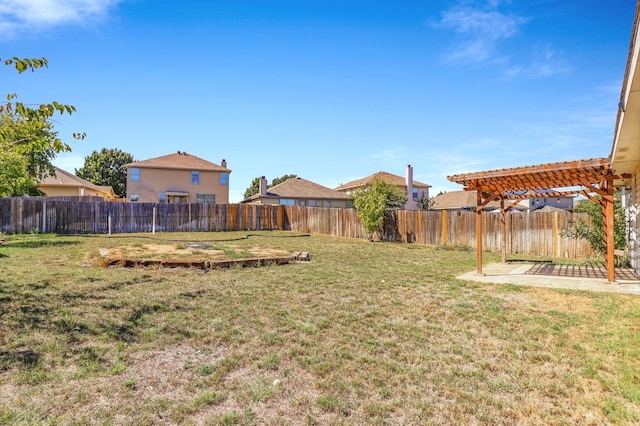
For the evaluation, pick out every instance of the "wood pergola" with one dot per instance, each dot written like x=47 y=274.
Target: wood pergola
x=592 y=178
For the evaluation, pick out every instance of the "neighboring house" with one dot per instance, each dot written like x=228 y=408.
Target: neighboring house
x=467 y=200
x=299 y=192
x=413 y=189
x=625 y=152
x=65 y=184
x=561 y=203
x=178 y=178
x=460 y=201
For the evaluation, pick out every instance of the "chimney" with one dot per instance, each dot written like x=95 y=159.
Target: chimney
x=223 y=163
x=263 y=185
x=409 y=182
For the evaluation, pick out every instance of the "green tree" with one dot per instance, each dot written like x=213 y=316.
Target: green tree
x=254 y=188
x=425 y=202
x=26 y=150
x=372 y=201
x=28 y=143
x=107 y=167
x=593 y=230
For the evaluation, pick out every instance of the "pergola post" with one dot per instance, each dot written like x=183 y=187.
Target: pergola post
x=609 y=231
x=479 y=231
x=503 y=231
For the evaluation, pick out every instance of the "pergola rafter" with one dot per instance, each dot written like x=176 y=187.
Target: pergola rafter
x=591 y=178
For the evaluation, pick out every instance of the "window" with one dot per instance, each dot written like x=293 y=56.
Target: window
x=312 y=203
x=134 y=198
x=415 y=194
x=162 y=197
x=287 y=202
x=206 y=198
x=134 y=174
x=195 y=177
x=224 y=178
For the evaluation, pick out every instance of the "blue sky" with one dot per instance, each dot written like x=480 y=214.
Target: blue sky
x=329 y=90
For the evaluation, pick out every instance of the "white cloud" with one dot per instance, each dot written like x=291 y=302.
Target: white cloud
x=482 y=32
x=20 y=15
x=545 y=62
x=479 y=31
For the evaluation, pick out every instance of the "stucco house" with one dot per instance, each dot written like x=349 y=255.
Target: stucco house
x=558 y=202
x=460 y=201
x=412 y=188
x=178 y=178
x=299 y=192
x=65 y=184
x=625 y=152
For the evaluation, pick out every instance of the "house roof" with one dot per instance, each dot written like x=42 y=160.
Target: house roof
x=625 y=152
x=298 y=187
x=179 y=160
x=64 y=178
x=387 y=177
x=548 y=209
x=459 y=200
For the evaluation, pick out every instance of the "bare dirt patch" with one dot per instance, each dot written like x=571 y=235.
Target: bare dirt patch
x=194 y=251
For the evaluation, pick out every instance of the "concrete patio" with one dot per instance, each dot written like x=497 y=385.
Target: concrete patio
x=567 y=277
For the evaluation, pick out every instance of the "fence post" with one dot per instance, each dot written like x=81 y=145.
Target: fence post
x=44 y=217
x=555 y=246
x=153 y=221
x=109 y=222
x=443 y=215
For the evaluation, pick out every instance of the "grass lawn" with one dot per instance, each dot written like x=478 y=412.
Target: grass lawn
x=364 y=333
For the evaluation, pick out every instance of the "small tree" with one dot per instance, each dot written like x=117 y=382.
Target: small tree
x=372 y=201
x=254 y=188
x=107 y=167
x=425 y=202
x=594 y=231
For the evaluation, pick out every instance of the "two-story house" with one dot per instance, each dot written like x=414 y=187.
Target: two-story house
x=178 y=178
x=413 y=189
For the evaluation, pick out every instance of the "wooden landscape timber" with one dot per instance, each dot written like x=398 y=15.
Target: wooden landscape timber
x=255 y=262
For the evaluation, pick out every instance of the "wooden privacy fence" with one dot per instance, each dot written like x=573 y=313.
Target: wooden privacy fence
x=24 y=215
x=527 y=233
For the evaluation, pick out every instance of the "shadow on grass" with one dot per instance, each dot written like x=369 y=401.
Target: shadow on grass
x=22 y=359
x=38 y=243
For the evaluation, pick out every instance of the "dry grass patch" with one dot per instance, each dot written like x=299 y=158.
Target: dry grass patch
x=365 y=334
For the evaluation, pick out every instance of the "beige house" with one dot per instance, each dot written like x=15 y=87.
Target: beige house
x=460 y=201
x=65 y=184
x=412 y=188
x=625 y=152
x=299 y=192
x=178 y=178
